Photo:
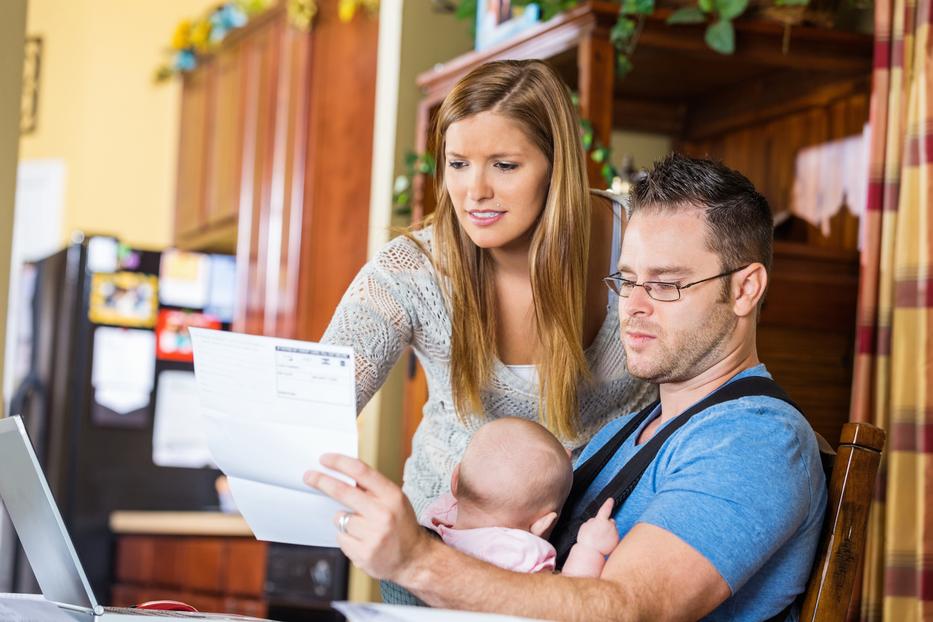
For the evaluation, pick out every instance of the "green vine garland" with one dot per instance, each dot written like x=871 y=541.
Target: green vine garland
x=718 y=14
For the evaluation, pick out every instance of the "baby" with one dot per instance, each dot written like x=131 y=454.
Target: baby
x=505 y=496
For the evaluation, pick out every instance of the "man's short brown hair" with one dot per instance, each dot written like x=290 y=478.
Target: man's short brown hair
x=740 y=227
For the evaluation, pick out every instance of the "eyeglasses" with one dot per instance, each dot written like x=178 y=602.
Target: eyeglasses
x=657 y=290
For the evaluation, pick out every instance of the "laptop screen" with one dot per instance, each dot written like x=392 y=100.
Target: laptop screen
x=28 y=500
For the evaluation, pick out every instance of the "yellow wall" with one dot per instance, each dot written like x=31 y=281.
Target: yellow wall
x=100 y=112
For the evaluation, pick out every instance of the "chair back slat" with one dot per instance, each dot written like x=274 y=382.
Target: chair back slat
x=843 y=541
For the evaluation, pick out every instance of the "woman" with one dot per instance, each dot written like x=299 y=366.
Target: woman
x=500 y=293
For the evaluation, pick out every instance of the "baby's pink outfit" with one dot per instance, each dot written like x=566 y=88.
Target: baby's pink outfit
x=512 y=549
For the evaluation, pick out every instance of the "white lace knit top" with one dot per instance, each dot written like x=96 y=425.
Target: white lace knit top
x=395 y=301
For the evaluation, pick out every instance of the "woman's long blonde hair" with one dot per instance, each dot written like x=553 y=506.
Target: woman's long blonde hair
x=533 y=96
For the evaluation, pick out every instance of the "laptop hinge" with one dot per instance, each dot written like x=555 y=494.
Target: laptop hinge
x=96 y=611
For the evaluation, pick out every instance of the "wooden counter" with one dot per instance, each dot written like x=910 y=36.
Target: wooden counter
x=179 y=524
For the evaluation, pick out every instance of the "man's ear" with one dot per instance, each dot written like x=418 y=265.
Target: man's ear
x=455 y=480
x=543 y=525
x=749 y=288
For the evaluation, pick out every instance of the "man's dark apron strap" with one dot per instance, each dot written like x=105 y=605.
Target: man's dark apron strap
x=572 y=518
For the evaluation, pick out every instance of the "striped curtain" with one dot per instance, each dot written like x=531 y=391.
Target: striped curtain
x=893 y=382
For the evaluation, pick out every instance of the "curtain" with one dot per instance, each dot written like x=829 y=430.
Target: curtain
x=893 y=376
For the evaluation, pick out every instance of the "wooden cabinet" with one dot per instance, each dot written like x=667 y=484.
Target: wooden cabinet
x=225 y=143
x=274 y=164
x=754 y=110
x=212 y=574
x=192 y=161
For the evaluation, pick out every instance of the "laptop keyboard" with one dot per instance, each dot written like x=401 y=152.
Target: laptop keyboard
x=191 y=615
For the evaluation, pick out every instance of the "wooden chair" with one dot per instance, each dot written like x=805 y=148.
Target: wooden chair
x=843 y=542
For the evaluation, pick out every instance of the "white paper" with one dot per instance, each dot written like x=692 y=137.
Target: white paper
x=378 y=612
x=271 y=407
x=102 y=254
x=123 y=371
x=30 y=608
x=184 y=279
x=222 y=296
x=178 y=437
x=40 y=201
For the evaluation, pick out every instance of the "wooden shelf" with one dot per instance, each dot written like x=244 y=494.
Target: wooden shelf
x=673 y=64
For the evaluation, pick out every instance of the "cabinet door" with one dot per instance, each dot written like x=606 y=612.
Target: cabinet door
x=135 y=559
x=246 y=567
x=287 y=197
x=192 y=153
x=260 y=78
x=226 y=139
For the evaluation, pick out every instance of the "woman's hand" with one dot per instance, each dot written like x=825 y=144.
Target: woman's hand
x=382 y=534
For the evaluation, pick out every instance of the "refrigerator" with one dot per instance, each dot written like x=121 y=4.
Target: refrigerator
x=94 y=439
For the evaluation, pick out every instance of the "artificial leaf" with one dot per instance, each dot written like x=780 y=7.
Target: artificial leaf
x=637 y=7
x=687 y=15
x=730 y=9
x=622 y=32
x=721 y=37
x=466 y=9
x=705 y=5
x=609 y=172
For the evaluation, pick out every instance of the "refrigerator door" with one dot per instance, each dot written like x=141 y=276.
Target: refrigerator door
x=45 y=354
x=92 y=469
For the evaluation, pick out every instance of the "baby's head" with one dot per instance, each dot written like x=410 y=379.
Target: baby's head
x=514 y=474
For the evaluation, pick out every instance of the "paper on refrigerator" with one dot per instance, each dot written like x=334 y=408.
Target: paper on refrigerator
x=270 y=408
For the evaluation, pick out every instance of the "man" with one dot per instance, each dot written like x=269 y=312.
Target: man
x=725 y=520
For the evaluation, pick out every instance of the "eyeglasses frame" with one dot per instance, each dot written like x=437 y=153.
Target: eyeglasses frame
x=616 y=277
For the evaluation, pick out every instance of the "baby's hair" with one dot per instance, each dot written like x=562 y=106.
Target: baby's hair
x=533 y=467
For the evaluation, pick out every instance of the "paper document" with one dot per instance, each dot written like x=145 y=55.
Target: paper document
x=270 y=407
x=378 y=612
x=123 y=370
x=178 y=431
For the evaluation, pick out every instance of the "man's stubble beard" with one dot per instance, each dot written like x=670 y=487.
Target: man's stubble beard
x=689 y=352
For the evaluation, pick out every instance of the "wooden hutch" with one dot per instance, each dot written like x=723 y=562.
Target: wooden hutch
x=754 y=110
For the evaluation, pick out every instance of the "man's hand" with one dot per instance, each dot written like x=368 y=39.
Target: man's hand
x=600 y=532
x=382 y=533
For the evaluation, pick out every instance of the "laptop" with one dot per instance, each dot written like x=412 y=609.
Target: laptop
x=28 y=500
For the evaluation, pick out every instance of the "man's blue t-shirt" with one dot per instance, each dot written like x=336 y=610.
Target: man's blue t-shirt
x=742 y=483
